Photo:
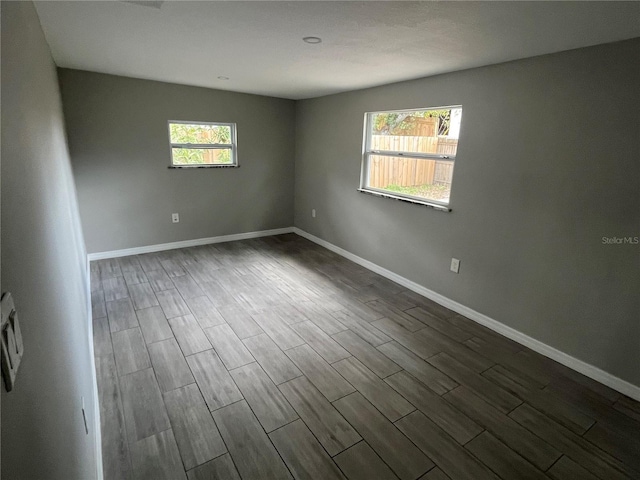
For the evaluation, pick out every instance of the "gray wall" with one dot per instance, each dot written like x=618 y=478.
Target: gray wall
x=119 y=146
x=43 y=265
x=548 y=164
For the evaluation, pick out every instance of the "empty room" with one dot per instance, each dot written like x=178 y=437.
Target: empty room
x=320 y=240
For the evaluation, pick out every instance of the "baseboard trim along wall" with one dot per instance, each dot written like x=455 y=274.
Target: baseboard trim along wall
x=587 y=369
x=187 y=243
x=565 y=359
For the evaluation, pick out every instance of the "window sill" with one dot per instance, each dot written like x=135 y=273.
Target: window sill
x=435 y=206
x=178 y=167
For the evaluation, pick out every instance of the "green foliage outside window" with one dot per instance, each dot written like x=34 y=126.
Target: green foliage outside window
x=184 y=133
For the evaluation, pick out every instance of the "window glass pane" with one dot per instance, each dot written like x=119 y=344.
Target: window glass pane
x=190 y=133
x=418 y=131
x=201 y=156
x=422 y=178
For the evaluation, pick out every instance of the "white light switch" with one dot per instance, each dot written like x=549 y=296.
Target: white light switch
x=455 y=265
x=11 y=338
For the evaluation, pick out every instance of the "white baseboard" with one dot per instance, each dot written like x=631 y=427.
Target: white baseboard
x=187 y=243
x=580 y=366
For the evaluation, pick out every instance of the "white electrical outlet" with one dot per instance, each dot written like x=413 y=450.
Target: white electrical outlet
x=455 y=265
x=313 y=212
x=175 y=217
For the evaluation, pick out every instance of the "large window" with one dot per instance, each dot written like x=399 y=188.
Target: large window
x=203 y=144
x=410 y=154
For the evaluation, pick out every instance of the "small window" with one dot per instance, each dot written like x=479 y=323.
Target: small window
x=410 y=154
x=203 y=144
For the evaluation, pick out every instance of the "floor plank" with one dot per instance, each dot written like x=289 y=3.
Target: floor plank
x=320 y=373
x=143 y=296
x=441 y=412
x=255 y=456
x=275 y=363
x=157 y=457
x=538 y=452
x=221 y=468
x=216 y=385
x=114 y=288
x=277 y=329
x=172 y=303
x=228 y=346
x=453 y=459
x=189 y=334
x=268 y=404
x=322 y=343
x=196 y=434
x=361 y=327
x=154 y=325
x=130 y=351
x=377 y=362
x=423 y=371
x=144 y=410
x=169 y=365
x=330 y=428
x=391 y=404
x=240 y=321
x=394 y=448
x=207 y=315
x=121 y=315
x=360 y=462
x=501 y=459
x=304 y=456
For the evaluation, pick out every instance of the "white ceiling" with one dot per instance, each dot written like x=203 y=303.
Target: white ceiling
x=259 y=47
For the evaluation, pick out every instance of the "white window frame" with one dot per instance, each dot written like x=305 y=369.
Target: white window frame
x=233 y=146
x=367 y=152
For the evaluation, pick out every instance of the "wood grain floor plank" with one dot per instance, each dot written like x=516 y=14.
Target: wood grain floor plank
x=172 y=303
x=169 y=365
x=143 y=296
x=195 y=432
x=360 y=462
x=407 y=461
x=545 y=401
x=441 y=412
x=275 y=363
x=121 y=315
x=116 y=460
x=321 y=317
x=135 y=277
x=538 y=452
x=376 y=361
x=144 y=410
x=216 y=385
x=622 y=446
x=240 y=321
x=228 y=346
x=189 y=334
x=101 y=337
x=221 y=468
x=407 y=339
x=472 y=360
x=443 y=326
x=115 y=288
x=421 y=370
x=205 y=312
x=361 y=327
x=277 y=329
x=407 y=322
x=254 y=454
x=157 y=457
x=567 y=469
x=496 y=396
x=453 y=459
x=187 y=287
x=320 y=373
x=577 y=448
x=330 y=428
x=304 y=456
x=149 y=262
x=322 y=343
x=154 y=325
x=382 y=396
x=130 y=351
x=264 y=398
x=501 y=459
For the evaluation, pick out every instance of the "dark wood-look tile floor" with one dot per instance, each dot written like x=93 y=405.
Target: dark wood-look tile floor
x=275 y=358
